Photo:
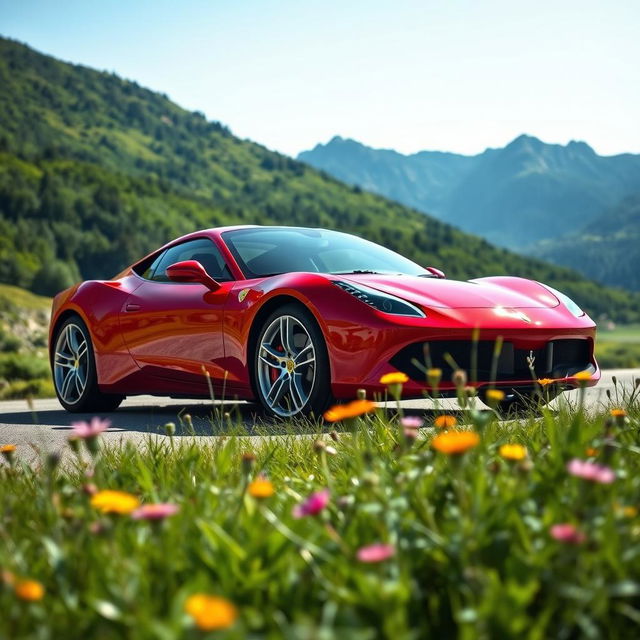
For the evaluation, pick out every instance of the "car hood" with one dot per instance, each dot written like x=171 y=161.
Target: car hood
x=484 y=293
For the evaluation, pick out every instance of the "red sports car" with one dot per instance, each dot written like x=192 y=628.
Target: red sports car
x=296 y=318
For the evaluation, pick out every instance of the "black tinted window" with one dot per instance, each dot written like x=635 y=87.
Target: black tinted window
x=264 y=251
x=202 y=250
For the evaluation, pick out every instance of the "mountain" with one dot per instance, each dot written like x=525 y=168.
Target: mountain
x=514 y=197
x=96 y=171
x=606 y=249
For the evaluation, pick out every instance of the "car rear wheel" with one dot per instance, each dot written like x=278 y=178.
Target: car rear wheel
x=291 y=365
x=74 y=371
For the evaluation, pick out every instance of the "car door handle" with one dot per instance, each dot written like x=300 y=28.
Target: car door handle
x=132 y=307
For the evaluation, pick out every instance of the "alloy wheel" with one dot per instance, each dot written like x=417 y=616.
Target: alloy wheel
x=286 y=366
x=71 y=364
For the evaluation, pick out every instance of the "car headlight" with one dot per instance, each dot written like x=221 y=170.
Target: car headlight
x=381 y=301
x=566 y=301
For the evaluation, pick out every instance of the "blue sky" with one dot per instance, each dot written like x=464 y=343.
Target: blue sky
x=458 y=75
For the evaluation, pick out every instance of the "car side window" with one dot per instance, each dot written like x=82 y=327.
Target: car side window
x=201 y=249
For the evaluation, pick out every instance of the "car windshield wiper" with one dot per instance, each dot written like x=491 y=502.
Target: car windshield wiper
x=366 y=271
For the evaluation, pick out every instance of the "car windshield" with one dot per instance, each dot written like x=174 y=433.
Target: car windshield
x=267 y=251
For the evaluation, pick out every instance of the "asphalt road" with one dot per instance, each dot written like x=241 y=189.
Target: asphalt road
x=46 y=426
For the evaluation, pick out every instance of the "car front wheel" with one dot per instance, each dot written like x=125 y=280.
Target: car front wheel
x=291 y=365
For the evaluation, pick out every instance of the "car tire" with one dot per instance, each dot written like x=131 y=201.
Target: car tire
x=73 y=366
x=290 y=364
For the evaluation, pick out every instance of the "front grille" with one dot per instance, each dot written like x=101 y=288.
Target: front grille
x=557 y=359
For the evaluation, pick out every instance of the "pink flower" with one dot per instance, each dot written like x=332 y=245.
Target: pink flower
x=411 y=422
x=91 y=429
x=158 y=511
x=591 y=471
x=377 y=552
x=313 y=505
x=567 y=533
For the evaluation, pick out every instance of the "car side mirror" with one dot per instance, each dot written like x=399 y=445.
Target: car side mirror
x=436 y=272
x=191 y=271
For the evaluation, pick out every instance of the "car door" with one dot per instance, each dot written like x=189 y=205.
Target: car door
x=174 y=329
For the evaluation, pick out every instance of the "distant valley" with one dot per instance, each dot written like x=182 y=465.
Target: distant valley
x=561 y=203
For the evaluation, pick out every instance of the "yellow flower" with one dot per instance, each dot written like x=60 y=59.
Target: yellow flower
x=29 y=590
x=590 y=452
x=513 y=452
x=7 y=448
x=350 y=410
x=494 y=395
x=455 y=442
x=445 y=422
x=618 y=413
x=582 y=375
x=433 y=376
x=261 y=488
x=114 y=502
x=543 y=382
x=395 y=377
x=210 y=612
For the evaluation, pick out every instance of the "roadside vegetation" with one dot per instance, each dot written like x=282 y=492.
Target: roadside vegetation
x=382 y=525
x=24 y=365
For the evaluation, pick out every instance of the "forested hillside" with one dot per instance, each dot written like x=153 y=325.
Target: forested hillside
x=95 y=171
x=607 y=249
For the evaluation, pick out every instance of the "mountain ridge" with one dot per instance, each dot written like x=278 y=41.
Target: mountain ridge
x=493 y=193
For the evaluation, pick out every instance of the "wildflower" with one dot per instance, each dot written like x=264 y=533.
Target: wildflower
x=411 y=435
x=583 y=376
x=433 y=376
x=445 y=422
x=7 y=577
x=210 y=612
x=494 y=395
x=395 y=377
x=170 y=429
x=411 y=422
x=158 y=511
x=618 y=413
x=513 y=452
x=544 y=382
x=85 y=430
x=350 y=410
x=248 y=461
x=375 y=553
x=313 y=505
x=108 y=501
x=566 y=532
x=627 y=511
x=459 y=378
x=29 y=590
x=261 y=487
x=455 y=442
x=591 y=452
x=8 y=451
x=591 y=471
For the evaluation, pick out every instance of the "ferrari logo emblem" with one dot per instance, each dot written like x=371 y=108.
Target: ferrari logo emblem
x=243 y=294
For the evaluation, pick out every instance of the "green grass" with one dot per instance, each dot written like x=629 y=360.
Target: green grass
x=619 y=348
x=474 y=556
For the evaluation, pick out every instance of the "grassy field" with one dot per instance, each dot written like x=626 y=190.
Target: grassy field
x=619 y=347
x=488 y=529
x=24 y=367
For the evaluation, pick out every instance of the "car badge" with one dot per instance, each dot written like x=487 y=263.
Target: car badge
x=243 y=294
